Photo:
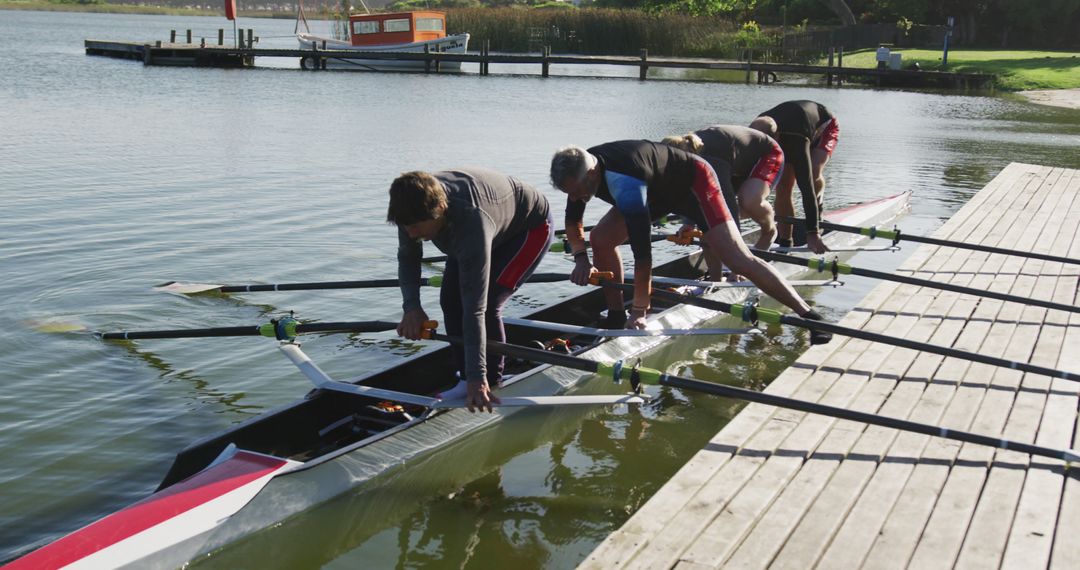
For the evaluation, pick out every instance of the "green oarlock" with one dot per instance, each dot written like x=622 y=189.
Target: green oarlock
x=649 y=375
x=269 y=329
x=645 y=375
x=435 y=281
x=769 y=315
x=822 y=266
x=874 y=232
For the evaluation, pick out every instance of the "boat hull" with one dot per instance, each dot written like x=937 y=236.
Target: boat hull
x=301 y=485
x=456 y=44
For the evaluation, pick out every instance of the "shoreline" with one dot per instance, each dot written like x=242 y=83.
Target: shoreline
x=1063 y=98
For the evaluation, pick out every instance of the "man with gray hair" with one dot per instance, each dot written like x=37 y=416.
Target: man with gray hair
x=644 y=180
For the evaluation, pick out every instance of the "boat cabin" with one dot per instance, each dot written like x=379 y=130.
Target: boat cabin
x=396 y=28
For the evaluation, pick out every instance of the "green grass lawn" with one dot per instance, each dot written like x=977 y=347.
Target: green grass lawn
x=1016 y=70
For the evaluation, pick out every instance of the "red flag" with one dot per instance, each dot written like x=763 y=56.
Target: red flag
x=230 y=9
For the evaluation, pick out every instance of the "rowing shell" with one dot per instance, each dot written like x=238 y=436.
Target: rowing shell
x=269 y=468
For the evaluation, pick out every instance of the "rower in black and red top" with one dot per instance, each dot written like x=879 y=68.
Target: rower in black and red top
x=644 y=180
x=755 y=160
x=807 y=133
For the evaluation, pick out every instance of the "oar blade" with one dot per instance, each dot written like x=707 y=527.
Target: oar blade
x=56 y=327
x=182 y=289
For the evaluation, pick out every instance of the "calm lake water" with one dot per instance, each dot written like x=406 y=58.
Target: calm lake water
x=115 y=177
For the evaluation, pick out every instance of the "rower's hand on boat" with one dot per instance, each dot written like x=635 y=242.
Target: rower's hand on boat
x=637 y=318
x=583 y=270
x=813 y=241
x=686 y=235
x=479 y=397
x=412 y=324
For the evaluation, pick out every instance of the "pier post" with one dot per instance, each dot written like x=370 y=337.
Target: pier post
x=644 y=69
x=438 y=60
x=221 y=36
x=427 y=58
x=251 y=38
x=172 y=36
x=544 y=66
x=188 y=36
x=828 y=74
x=749 y=64
x=840 y=65
x=485 y=50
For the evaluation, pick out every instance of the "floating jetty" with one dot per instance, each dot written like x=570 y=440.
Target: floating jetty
x=243 y=55
x=783 y=489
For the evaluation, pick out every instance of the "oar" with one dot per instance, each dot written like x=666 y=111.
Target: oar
x=677 y=282
x=285 y=328
x=896 y=235
x=433 y=281
x=805 y=249
x=752 y=314
x=837 y=268
x=563 y=245
x=641 y=375
x=611 y=333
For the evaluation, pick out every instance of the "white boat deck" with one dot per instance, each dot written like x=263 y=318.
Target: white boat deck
x=784 y=489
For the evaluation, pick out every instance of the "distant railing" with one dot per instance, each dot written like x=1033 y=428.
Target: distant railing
x=814 y=44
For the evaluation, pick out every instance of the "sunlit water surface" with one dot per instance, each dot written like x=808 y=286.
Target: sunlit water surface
x=115 y=177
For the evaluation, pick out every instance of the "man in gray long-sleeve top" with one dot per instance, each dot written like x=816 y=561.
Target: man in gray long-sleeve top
x=494 y=230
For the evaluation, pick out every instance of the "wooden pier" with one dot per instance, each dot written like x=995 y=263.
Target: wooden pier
x=207 y=55
x=782 y=489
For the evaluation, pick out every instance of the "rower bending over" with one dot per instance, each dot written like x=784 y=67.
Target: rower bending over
x=754 y=158
x=807 y=133
x=644 y=181
x=494 y=230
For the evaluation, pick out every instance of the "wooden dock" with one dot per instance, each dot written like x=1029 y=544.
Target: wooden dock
x=208 y=55
x=782 y=489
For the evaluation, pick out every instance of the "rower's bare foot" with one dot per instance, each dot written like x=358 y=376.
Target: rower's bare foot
x=765 y=240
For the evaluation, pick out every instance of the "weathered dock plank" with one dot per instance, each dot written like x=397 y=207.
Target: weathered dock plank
x=805 y=491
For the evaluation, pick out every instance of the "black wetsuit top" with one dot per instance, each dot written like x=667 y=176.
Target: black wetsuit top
x=644 y=181
x=740 y=147
x=797 y=126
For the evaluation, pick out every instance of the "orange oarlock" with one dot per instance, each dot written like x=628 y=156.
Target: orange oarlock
x=597 y=276
x=685 y=238
x=428 y=329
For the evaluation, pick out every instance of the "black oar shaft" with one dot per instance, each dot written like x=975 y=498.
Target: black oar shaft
x=891 y=234
x=567 y=361
x=249 y=330
x=866 y=335
x=863 y=417
x=253 y=330
x=366 y=284
x=885 y=276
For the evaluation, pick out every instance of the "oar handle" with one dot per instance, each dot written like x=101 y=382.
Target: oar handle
x=821 y=265
x=746 y=312
x=896 y=235
x=617 y=371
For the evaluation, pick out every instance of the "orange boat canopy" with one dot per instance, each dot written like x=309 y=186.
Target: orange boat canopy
x=396 y=28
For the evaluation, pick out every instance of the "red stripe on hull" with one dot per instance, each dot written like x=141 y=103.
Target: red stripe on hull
x=199 y=489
